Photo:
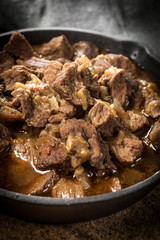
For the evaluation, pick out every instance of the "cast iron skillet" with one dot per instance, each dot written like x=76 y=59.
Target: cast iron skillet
x=53 y=210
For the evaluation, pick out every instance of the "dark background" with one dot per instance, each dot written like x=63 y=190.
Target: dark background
x=137 y=20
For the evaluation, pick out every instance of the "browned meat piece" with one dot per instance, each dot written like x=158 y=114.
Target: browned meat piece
x=51 y=153
x=42 y=184
x=22 y=98
x=114 y=78
x=134 y=94
x=57 y=118
x=127 y=148
x=114 y=184
x=133 y=120
x=137 y=99
x=5 y=139
x=152 y=106
x=100 y=64
x=67 y=189
x=57 y=47
x=17 y=73
x=155 y=134
x=123 y=86
x=34 y=63
x=63 y=60
x=136 y=121
x=21 y=171
x=31 y=114
x=85 y=48
x=89 y=82
x=105 y=186
x=51 y=130
x=22 y=150
x=19 y=46
x=66 y=110
x=39 y=118
x=51 y=72
x=84 y=144
x=37 y=100
x=6 y=61
x=88 y=76
x=1 y=88
x=120 y=61
x=8 y=113
x=70 y=88
x=40 y=64
x=104 y=118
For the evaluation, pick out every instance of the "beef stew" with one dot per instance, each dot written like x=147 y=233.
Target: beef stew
x=85 y=123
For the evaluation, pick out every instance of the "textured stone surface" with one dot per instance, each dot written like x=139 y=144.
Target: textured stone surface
x=141 y=221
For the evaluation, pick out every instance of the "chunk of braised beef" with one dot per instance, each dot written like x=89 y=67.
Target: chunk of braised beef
x=83 y=140
x=50 y=130
x=114 y=79
x=5 y=140
x=39 y=118
x=42 y=184
x=63 y=60
x=92 y=85
x=2 y=88
x=34 y=63
x=35 y=107
x=66 y=188
x=17 y=73
x=51 y=153
x=57 y=118
x=127 y=148
x=155 y=134
x=6 y=61
x=88 y=76
x=22 y=150
x=134 y=92
x=123 y=86
x=152 y=106
x=120 y=61
x=67 y=108
x=133 y=120
x=138 y=99
x=9 y=114
x=85 y=48
x=136 y=121
x=100 y=64
x=22 y=98
x=104 y=118
x=57 y=47
x=70 y=88
x=19 y=46
x=53 y=68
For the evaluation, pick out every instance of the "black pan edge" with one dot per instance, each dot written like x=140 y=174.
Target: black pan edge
x=154 y=179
